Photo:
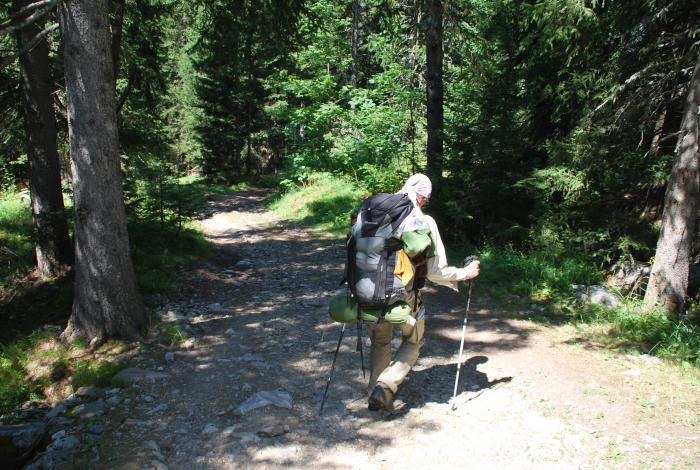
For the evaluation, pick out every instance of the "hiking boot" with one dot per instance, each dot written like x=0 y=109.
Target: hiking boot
x=380 y=398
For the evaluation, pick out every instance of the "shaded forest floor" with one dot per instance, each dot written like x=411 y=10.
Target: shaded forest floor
x=532 y=395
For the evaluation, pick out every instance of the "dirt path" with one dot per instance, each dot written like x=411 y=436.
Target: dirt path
x=532 y=395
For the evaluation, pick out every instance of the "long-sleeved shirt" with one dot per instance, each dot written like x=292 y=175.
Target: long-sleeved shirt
x=438 y=270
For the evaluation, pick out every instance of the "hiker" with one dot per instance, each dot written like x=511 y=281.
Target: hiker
x=386 y=374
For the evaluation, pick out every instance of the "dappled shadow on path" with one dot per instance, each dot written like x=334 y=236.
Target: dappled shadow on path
x=274 y=334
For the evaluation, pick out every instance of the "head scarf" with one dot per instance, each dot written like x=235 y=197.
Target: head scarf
x=416 y=185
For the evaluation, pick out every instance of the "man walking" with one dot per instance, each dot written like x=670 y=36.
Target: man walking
x=387 y=375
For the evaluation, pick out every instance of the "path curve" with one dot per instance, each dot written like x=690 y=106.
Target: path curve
x=531 y=395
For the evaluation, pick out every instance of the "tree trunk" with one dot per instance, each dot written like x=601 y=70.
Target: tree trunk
x=106 y=302
x=433 y=52
x=354 y=43
x=53 y=247
x=117 y=7
x=668 y=282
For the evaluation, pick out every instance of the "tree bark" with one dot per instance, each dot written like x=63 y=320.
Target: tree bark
x=354 y=42
x=668 y=283
x=52 y=244
x=434 y=85
x=106 y=301
x=117 y=7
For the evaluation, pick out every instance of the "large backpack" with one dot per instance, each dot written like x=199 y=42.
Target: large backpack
x=373 y=252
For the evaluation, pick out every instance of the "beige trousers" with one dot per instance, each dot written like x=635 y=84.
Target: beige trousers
x=386 y=372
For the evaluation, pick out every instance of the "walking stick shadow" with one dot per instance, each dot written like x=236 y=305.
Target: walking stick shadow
x=435 y=384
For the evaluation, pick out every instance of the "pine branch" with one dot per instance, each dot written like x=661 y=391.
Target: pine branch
x=31 y=7
x=10 y=27
x=29 y=46
x=125 y=94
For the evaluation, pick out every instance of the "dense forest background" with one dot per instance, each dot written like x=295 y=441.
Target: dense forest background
x=549 y=127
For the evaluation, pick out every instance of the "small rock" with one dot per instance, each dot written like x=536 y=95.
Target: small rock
x=169 y=356
x=181 y=431
x=247 y=437
x=132 y=375
x=247 y=387
x=263 y=398
x=64 y=443
x=228 y=431
x=96 y=429
x=158 y=465
x=172 y=317
x=135 y=422
x=216 y=308
x=158 y=409
x=250 y=357
x=274 y=431
x=113 y=391
x=113 y=401
x=57 y=410
x=90 y=392
x=209 y=428
x=188 y=344
x=231 y=332
x=89 y=410
x=147 y=398
x=152 y=446
x=651 y=359
x=243 y=264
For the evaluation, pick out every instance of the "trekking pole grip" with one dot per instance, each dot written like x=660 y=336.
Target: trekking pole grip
x=469 y=259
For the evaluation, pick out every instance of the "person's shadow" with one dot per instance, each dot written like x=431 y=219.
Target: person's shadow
x=436 y=384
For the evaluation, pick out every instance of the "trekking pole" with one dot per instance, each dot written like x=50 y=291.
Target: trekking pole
x=328 y=383
x=468 y=260
x=359 y=348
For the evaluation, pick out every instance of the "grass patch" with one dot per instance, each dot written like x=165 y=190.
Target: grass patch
x=38 y=367
x=159 y=250
x=628 y=326
x=94 y=373
x=16 y=247
x=548 y=276
x=541 y=275
x=171 y=334
x=323 y=202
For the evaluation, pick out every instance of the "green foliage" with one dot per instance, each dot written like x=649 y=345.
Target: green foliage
x=172 y=334
x=324 y=202
x=94 y=373
x=13 y=388
x=538 y=275
x=16 y=247
x=629 y=326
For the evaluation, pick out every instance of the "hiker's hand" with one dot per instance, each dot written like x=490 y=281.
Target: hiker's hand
x=471 y=270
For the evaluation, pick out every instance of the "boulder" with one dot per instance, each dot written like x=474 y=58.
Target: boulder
x=627 y=276
x=596 y=295
x=18 y=442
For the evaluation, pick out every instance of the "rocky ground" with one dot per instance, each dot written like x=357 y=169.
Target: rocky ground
x=244 y=391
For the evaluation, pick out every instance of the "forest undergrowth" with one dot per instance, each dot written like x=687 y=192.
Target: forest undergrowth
x=34 y=365
x=542 y=277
